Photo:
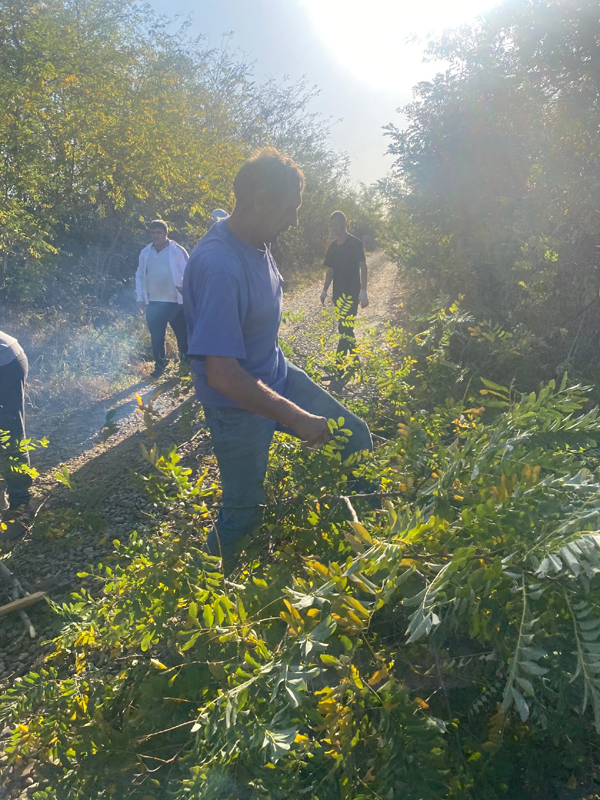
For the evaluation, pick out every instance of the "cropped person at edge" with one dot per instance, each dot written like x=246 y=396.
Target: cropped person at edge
x=233 y=305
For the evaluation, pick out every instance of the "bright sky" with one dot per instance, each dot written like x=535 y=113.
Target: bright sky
x=355 y=51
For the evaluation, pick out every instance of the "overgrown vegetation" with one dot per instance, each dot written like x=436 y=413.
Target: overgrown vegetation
x=442 y=646
x=497 y=182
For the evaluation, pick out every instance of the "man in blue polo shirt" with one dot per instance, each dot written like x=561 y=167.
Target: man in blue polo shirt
x=233 y=303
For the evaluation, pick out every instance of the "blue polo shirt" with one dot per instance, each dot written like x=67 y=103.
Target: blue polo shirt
x=232 y=301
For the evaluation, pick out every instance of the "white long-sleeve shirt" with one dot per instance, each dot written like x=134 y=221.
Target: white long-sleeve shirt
x=178 y=259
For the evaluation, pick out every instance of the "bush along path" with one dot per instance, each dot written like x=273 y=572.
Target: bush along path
x=442 y=645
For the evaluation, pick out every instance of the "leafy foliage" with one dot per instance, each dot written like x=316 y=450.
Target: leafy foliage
x=445 y=645
x=495 y=187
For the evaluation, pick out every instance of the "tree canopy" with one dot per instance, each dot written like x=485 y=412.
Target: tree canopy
x=110 y=117
x=498 y=171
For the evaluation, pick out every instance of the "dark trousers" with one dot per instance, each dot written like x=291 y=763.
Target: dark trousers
x=158 y=316
x=12 y=421
x=347 y=307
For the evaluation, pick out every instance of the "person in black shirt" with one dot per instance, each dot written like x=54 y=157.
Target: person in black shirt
x=347 y=268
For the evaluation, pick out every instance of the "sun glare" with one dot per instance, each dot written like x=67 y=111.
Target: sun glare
x=370 y=39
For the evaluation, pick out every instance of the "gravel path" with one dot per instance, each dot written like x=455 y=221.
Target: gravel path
x=105 y=504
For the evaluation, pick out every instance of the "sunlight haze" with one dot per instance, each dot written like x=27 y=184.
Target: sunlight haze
x=375 y=46
x=357 y=54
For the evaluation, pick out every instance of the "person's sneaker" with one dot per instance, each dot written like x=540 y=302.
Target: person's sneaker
x=157 y=371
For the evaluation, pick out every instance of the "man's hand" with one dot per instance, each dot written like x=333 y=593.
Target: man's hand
x=323 y=296
x=312 y=430
x=363 y=298
x=141 y=306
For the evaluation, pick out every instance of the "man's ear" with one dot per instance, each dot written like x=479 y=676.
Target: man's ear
x=261 y=201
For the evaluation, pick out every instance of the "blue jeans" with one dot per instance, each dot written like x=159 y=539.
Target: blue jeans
x=158 y=315
x=241 y=441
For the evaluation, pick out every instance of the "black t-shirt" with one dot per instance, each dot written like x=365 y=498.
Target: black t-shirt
x=344 y=260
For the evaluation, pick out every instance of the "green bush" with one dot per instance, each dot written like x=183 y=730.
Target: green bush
x=445 y=645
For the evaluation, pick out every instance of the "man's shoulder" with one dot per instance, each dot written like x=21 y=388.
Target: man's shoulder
x=178 y=246
x=356 y=242
x=215 y=254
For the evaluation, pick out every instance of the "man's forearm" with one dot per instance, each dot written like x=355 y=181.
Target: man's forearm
x=328 y=279
x=228 y=377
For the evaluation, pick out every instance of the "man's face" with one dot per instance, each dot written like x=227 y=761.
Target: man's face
x=158 y=237
x=338 y=226
x=282 y=215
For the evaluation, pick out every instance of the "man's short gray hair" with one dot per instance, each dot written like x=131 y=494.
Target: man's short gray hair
x=267 y=169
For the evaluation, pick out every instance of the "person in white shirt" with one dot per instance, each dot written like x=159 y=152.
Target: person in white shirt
x=158 y=283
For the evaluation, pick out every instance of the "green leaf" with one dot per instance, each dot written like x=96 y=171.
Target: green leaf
x=191 y=641
x=147 y=640
x=526 y=685
x=279 y=742
x=520 y=703
x=496 y=386
x=533 y=668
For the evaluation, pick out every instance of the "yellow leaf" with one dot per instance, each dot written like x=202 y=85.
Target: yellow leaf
x=358 y=607
x=409 y=562
x=421 y=703
x=362 y=532
x=318 y=567
x=369 y=777
x=352 y=617
x=378 y=676
x=355 y=677
x=293 y=611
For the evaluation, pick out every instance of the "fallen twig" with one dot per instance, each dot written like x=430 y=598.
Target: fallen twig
x=21 y=603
